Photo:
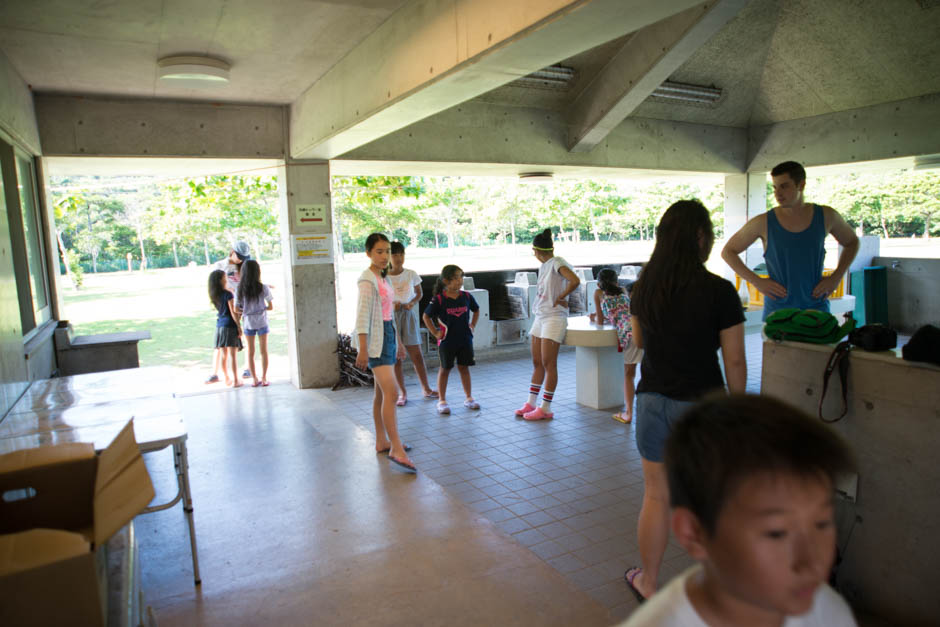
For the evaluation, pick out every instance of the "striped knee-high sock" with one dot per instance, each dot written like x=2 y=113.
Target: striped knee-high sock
x=534 y=394
x=547 y=397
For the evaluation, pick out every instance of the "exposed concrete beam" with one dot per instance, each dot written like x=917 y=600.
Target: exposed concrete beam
x=433 y=54
x=896 y=129
x=648 y=58
x=17 y=114
x=110 y=127
x=480 y=132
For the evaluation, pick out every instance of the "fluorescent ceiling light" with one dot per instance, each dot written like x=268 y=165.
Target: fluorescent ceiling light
x=536 y=177
x=193 y=71
x=927 y=162
x=682 y=92
x=551 y=77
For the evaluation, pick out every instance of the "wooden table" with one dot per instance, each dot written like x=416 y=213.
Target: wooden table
x=598 y=363
x=94 y=408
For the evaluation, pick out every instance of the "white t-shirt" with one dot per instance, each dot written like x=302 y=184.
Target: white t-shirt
x=551 y=285
x=670 y=607
x=404 y=285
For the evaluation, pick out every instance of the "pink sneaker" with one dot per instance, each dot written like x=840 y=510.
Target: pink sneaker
x=525 y=409
x=538 y=414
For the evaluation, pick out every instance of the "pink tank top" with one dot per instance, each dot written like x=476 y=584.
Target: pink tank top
x=385 y=293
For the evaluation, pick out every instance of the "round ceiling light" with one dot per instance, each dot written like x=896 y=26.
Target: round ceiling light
x=193 y=71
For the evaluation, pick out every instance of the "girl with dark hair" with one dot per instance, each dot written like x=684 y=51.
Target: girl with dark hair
x=682 y=315
x=227 y=332
x=612 y=303
x=376 y=339
x=448 y=319
x=556 y=281
x=408 y=294
x=253 y=300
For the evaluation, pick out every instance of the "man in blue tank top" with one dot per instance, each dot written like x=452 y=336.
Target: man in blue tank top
x=793 y=234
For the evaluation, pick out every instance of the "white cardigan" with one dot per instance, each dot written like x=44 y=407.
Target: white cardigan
x=369 y=313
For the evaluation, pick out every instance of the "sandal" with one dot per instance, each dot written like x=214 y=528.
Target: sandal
x=432 y=394
x=401 y=400
x=213 y=379
x=629 y=576
x=442 y=408
x=471 y=404
x=623 y=417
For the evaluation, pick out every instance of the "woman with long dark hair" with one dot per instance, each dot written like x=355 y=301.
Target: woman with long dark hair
x=682 y=315
x=376 y=339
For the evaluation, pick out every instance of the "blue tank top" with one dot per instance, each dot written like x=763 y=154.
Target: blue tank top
x=795 y=261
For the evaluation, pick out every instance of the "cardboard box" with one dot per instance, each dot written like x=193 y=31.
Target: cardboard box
x=59 y=506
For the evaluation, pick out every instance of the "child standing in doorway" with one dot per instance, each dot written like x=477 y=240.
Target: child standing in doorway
x=447 y=318
x=556 y=281
x=227 y=331
x=253 y=301
x=612 y=303
x=407 y=285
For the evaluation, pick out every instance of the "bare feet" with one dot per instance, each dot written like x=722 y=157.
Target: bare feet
x=237 y=384
x=228 y=382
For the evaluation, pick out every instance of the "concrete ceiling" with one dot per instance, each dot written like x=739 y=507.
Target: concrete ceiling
x=775 y=60
x=781 y=60
x=276 y=49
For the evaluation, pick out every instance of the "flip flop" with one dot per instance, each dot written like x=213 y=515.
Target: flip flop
x=433 y=394
x=213 y=379
x=265 y=384
x=471 y=404
x=401 y=401
x=256 y=385
x=443 y=408
x=386 y=450
x=628 y=576
x=620 y=418
x=402 y=463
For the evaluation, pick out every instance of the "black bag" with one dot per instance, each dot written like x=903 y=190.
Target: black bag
x=924 y=345
x=874 y=337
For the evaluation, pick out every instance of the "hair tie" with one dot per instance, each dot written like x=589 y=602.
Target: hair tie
x=540 y=248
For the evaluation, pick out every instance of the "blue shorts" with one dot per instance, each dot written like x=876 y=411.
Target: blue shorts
x=655 y=416
x=389 y=348
x=262 y=331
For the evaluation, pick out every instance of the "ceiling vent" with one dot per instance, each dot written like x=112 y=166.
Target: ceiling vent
x=687 y=94
x=551 y=77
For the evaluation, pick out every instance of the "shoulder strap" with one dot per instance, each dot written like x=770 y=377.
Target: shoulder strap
x=838 y=359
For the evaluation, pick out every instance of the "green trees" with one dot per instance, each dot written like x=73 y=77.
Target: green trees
x=102 y=221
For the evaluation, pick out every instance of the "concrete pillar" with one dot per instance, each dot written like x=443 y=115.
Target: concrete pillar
x=745 y=198
x=310 y=277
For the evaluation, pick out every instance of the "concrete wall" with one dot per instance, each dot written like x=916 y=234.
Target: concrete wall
x=114 y=127
x=913 y=292
x=17 y=116
x=893 y=426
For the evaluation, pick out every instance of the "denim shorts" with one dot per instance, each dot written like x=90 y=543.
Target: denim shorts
x=655 y=416
x=389 y=348
x=262 y=331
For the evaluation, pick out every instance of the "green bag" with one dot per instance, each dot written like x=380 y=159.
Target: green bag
x=806 y=325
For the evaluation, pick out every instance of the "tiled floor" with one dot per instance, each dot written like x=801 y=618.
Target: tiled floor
x=569 y=489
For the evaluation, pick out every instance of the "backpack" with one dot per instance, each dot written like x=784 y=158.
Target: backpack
x=806 y=325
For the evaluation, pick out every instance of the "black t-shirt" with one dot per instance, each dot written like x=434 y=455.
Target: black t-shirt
x=453 y=315
x=225 y=316
x=681 y=361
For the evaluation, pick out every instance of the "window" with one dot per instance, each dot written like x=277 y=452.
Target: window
x=26 y=237
x=32 y=234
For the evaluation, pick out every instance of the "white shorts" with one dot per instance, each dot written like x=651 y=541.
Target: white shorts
x=632 y=354
x=550 y=328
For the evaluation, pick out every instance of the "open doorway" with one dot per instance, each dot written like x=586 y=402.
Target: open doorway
x=138 y=238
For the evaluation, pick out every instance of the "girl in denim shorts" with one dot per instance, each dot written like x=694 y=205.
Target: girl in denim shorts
x=376 y=339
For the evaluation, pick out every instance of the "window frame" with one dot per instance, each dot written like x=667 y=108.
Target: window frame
x=32 y=319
